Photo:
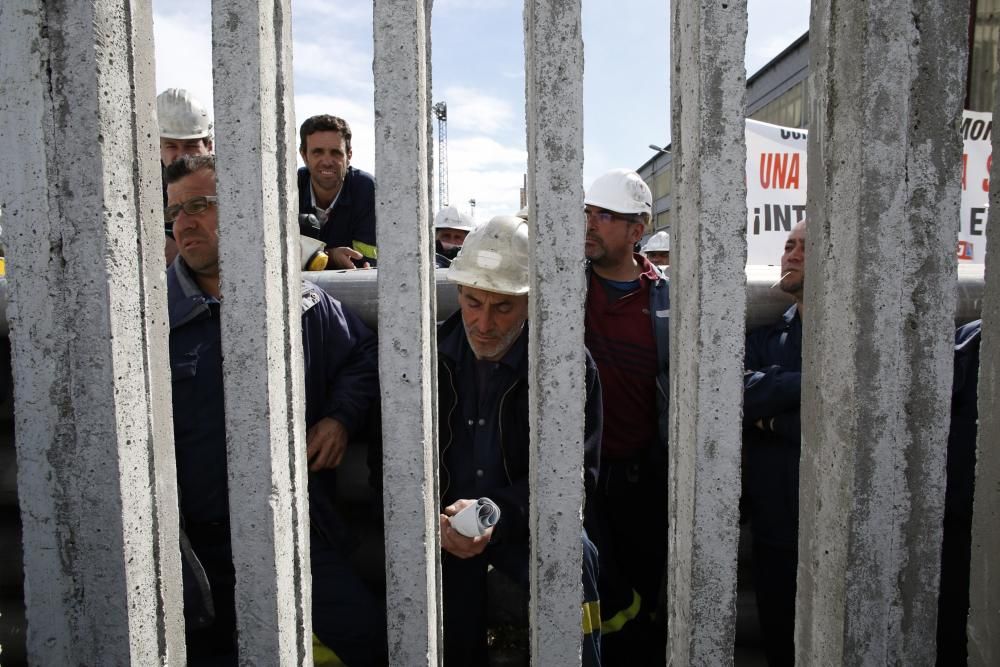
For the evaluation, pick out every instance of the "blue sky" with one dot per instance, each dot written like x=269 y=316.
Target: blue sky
x=478 y=69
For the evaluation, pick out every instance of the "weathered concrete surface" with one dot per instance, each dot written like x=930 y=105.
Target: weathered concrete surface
x=984 y=591
x=706 y=358
x=81 y=198
x=261 y=329
x=407 y=352
x=884 y=156
x=554 y=115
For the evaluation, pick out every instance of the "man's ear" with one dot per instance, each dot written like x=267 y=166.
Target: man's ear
x=639 y=230
x=350 y=154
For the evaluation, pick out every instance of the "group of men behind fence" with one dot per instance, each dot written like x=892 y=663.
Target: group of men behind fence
x=483 y=416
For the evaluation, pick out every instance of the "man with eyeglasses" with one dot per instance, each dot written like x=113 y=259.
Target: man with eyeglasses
x=627 y=332
x=341 y=384
x=185 y=129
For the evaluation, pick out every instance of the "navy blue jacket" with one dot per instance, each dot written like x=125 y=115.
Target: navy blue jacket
x=352 y=221
x=341 y=378
x=772 y=393
x=455 y=359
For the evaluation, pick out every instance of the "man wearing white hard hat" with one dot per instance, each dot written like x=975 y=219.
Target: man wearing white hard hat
x=627 y=331
x=185 y=129
x=657 y=250
x=451 y=226
x=483 y=415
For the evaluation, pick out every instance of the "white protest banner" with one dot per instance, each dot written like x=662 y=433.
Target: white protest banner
x=776 y=187
x=977 y=133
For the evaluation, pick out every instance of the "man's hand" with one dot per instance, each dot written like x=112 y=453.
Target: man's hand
x=455 y=542
x=341 y=258
x=326 y=442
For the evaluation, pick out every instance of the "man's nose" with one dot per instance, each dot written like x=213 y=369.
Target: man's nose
x=183 y=220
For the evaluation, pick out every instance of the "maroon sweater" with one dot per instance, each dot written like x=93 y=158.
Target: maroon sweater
x=619 y=335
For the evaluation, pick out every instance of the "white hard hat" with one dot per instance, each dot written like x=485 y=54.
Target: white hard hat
x=658 y=242
x=451 y=218
x=621 y=191
x=494 y=257
x=181 y=116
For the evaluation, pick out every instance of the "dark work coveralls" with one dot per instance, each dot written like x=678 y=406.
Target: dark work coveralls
x=627 y=330
x=484 y=452
x=771 y=394
x=341 y=382
x=351 y=223
x=956 y=549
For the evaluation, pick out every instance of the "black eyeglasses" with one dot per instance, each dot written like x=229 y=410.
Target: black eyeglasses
x=192 y=206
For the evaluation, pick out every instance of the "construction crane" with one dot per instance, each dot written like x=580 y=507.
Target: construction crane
x=441 y=113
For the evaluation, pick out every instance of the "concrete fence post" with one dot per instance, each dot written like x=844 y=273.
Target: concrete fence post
x=884 y=167
x=84 y=244
x=984 y=590
x=708 y=289
x=407 y=353
x=554 y=106
x=261 y=329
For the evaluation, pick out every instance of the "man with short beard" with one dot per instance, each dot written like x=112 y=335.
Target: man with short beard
x=484 y=439
x=627 y=331
x=771 y=441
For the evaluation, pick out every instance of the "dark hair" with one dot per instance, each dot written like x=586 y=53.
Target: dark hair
x=186 y=165
x=324 y=123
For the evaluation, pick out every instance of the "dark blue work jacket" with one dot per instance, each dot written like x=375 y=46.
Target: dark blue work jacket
x=772 y=393
x=502 y=439
x=341 y=381
x=351 y=223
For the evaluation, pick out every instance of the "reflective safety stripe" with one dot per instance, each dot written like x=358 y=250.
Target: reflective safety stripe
x=591 y=616
x=369 y=251
x=618 y=621
x=323 y=656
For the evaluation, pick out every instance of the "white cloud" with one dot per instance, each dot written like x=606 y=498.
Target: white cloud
x=333 y=66
x=483 y=169
x=474 y=110
x=345 y=12
x=479 y=153
x=184 y=55
x=475 y=4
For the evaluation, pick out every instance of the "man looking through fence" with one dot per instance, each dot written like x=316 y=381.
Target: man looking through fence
x=627 y=331
x=185 y=129
x=451 y=226
x=771 y=443
x=341 y=197
x=484 y=440
x=341 y=384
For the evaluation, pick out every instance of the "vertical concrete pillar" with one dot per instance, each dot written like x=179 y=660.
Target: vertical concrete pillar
x=884 y=165
x=554 y=98
x=82 y=230
x=407 y=366
x=706 y=326
x=261 y=328
x=984 y=591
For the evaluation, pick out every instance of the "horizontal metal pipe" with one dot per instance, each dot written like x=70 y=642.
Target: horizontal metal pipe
x=359 y=292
